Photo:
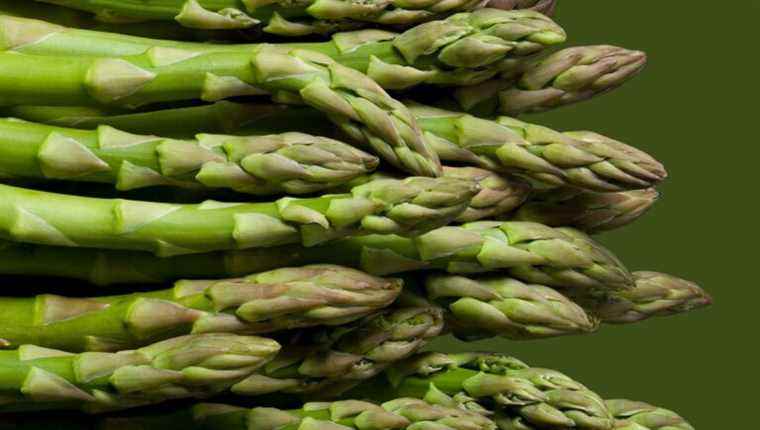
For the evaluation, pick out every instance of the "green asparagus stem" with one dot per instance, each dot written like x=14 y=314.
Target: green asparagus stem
x=196 y=366
x=411 y=206
x=338 y=358
x=528 y=251
x=565 y=77
x=590 y=212
x=546 y=7
x=464 y=49
x=541 y=397
x=490 y=306
x=262 y=303
x=583 y=160
x=655 y=294
x=632 y=415
x=294 y=163
x=272 y=16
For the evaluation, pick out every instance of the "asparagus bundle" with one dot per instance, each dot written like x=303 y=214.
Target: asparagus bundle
x=278 y=17
x=583 y=160
x=488 y=382
x=335 y=359
x=295 y=163
x=410 y=206
x=587 y=211
x=266 y=302
x=196 y=366
x=562 y=78
x=531 y=252
x=633 y=415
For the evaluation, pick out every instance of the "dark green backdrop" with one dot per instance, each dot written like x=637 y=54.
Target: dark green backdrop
x=696 y=108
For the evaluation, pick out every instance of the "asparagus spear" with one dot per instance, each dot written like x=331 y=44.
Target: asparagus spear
x=633 y=415
x=410 y=206
x=565 y=77
x=590 y=212
x=273 y=16
x=583 y=160
x=529 y=251
x=463 y=49
x=196 y=366
x=295 y=163
x=335 y=359
x=483 y=307
x=498 y=195
x=655 y=294
x=546 y=7
x=262 y=303
x=541 y=397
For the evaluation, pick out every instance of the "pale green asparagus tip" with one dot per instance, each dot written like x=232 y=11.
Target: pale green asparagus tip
x=499 y=194
x=631 y=415
x=546 y=7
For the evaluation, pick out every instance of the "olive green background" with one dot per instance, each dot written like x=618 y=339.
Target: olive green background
x=695 y=108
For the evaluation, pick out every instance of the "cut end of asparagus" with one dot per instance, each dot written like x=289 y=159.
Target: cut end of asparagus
x=499 y=194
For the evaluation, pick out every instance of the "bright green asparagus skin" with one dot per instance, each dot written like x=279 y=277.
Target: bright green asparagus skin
x=655 y=294
x=280 y=17
x=294 y=163
x=337 y=358
x=483 y=307
x=542 y=398
x=565 y=77
x=266 y=302
x=197 y=366
x=531 y=252
x=464 y=49
x=583 y=160
x=632 y=415
x=410 y=206
x=587 y=211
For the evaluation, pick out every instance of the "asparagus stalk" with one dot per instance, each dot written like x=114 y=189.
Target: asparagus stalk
x=409 y=207
x=294 y=163
x=541 y=397
x=488 y=306
x=272 y=16
x=633 y=415
x=590 y=212
x=530 y=252
x=583 y=160
x=655 y=294
x=196 y=366
x=565 y=77
x=463 y=49
x=266 y=302
x=338 y=358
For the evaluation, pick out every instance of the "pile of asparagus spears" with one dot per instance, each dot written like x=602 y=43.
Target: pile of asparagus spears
x=275 y=205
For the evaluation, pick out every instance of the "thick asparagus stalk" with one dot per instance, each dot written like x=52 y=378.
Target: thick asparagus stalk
x=295 y=163
x=338 y=358
x=633 y=415
x=464 y=49
x=583 y=160
x=590 y=212
x=273 y=16
x=655 y=294
x=483 y=307
x=410 y=206
x=262 y=303
x=565 y=77
x=196 y=366
x=541 y=397
x=531 y=252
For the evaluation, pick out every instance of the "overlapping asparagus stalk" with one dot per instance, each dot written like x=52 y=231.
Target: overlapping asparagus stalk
x=531 y=252
x=489 y=382
x=499 y=194
x=587 y=211
x=278 y=17
x=196 y=366
x=325 y=364
x=410 y=206
x=266 y=302
x=583 y=160
x=565 y=77
x=631 y=415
